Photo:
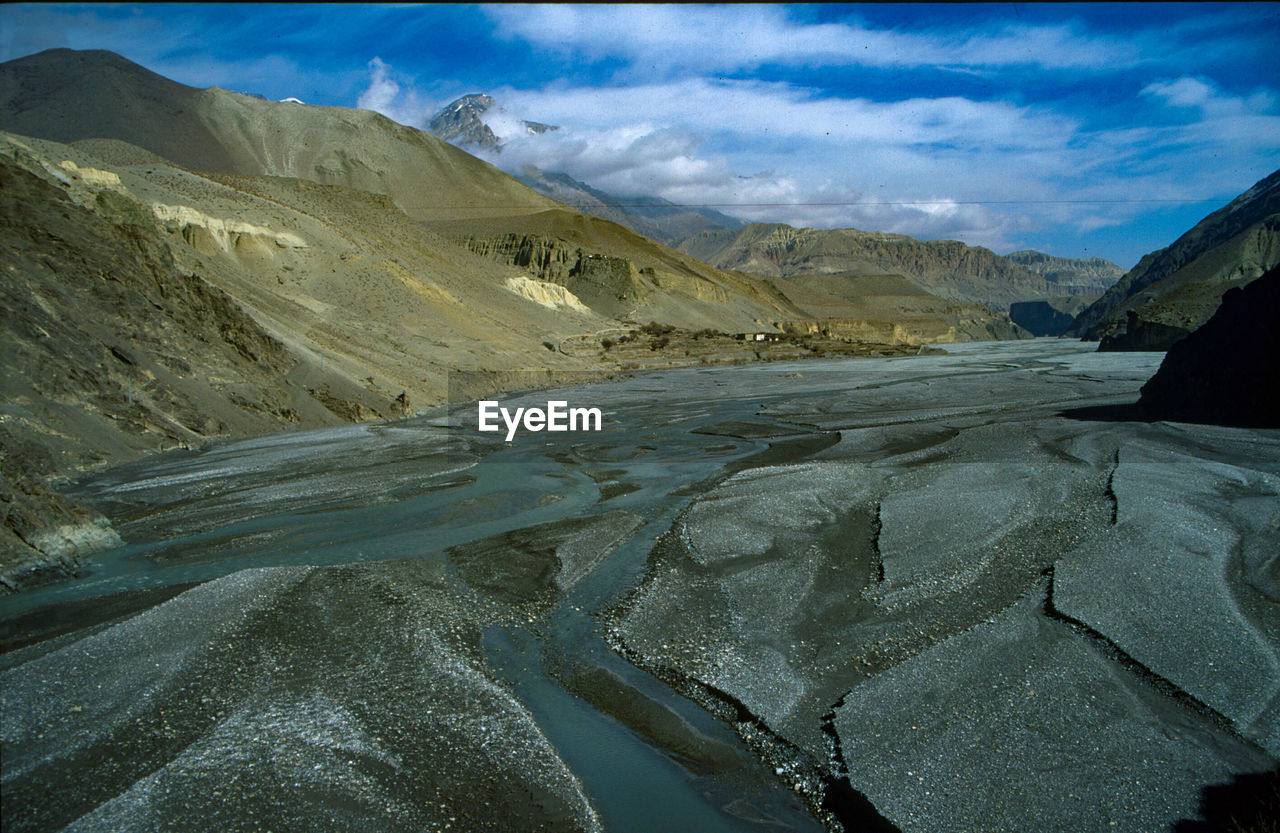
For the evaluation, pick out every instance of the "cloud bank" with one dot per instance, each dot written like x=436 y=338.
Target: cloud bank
x=988 y=172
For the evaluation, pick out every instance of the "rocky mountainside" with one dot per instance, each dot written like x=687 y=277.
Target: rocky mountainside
x=654 y=217
x=1173 y=291
x=112 y=349
x=1074 y=276
x=462 y=123
x=66 y=96
x=1225 y=372
x=946 y=268
x=622 y=274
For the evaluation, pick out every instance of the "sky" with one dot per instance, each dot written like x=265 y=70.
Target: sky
x=1080 y=130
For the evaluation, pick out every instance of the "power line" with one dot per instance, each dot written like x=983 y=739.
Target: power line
x=839 y=204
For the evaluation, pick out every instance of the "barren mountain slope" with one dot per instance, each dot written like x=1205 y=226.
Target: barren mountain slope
x=1074 y=276
x=67 y=95
x=111 y=349
x=947 y=268
x=888 y=308
x=150 y=307
x=622 y=274
x=1176 y=289
x=339 y=275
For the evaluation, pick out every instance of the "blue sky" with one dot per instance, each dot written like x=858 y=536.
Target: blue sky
x=1079 y=130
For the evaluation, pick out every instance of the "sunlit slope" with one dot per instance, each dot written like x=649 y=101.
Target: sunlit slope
x=621 y=273
x=342 y=277
x=946 y=268
x=888 y=308
x=67 y=95
x=1173 y=291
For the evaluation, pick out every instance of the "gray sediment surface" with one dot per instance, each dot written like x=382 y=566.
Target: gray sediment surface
x=934 y=593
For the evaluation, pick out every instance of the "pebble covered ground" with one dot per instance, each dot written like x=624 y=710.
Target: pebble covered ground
x=927 y=593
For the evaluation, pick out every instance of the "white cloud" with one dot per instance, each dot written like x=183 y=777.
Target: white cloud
x=780 y=111
x=385 y=95
x=1193 y=93
x=750 y=36
x=1184 y=92
x=985 y=172
x=382 y=91
x=829 y=162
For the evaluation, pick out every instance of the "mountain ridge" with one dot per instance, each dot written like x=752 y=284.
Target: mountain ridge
x=1172 y=291
x=461 y=123
x=947 y=268
x=211 y=129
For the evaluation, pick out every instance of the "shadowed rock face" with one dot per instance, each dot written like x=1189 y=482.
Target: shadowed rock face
x=1225 y=373
x=1050 y=317
x=1141 y=335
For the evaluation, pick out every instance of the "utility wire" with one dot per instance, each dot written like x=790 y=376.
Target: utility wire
x=840 y=204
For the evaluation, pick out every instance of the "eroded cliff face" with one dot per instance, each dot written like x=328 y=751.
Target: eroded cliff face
x=111 y=350
x=546 y=258
x=1073 y=276
x=947 y=268
x=611 y=286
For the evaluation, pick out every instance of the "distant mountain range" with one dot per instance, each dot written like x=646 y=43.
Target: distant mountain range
x=1073 y=276
x=654 y=217
x=948 y=268
x=963 y=273
x=463 y=123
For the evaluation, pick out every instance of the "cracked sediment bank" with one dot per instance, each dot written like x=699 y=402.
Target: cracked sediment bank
x=907 y=593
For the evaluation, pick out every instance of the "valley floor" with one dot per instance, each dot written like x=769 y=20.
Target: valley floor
x=959 y=591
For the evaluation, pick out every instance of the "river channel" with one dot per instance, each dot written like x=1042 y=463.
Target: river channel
x=542 y=549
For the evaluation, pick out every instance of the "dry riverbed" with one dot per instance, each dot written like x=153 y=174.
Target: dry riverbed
x=957 y=591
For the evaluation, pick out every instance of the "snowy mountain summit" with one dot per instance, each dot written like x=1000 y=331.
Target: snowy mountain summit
x=474 y=120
